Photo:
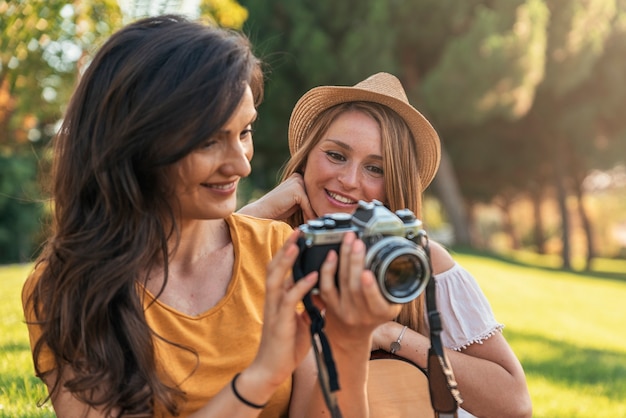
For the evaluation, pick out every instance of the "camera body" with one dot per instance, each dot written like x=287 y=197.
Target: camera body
x=395 y=247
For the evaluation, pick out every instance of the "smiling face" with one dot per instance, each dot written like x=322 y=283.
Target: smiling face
x=346 y=165
x=206 y=180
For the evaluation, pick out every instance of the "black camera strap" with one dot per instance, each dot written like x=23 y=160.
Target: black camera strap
x=326 y=370
x=444 y=394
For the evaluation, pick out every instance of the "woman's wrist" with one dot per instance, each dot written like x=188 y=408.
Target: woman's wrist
x=243 y=399
x=413 y=345
x=396 y=345
x=252 y=389
x=252 y=209
x=348 y=341
x=386 y=334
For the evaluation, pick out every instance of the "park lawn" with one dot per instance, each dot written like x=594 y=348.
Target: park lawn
x=566 y=328
x=20 y=390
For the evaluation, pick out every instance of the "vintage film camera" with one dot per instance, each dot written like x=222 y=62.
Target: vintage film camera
x=395 y=244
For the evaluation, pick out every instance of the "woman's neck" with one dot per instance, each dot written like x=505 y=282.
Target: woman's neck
x=199 y=239
x=200 y=268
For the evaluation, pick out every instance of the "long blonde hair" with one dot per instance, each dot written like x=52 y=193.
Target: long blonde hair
x=403 y=185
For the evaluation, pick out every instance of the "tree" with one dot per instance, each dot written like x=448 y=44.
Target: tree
x=566 y=124
x=41 y=43
x=431 y=45
x=524 y=93
x=20 y=213
x=43 y=47
x=482 y=67
x=306 y=44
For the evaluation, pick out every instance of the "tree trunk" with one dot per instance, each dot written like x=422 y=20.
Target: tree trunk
x=561 y=196
x=477 y=237
x=586 y=224
x=538 y=235
x=508 y=224
x=444 y=184
x=447 y=190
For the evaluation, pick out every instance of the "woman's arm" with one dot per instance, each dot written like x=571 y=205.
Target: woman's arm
x=352 y=311
x=282 y=201
x=489 y=375
x=66 y=405
x=285 y=342
x=304 y=384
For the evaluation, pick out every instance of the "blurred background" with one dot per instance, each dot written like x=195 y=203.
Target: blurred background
x=528 y=96
x=529 y=99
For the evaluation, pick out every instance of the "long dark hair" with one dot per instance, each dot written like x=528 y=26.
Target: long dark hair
x=155 y=90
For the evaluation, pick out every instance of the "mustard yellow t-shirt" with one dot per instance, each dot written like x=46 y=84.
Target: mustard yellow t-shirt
x=226 y=337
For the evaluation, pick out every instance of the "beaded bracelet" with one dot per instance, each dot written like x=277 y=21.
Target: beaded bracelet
x=241 y=398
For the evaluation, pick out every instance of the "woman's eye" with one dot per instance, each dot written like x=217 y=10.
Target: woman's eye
x=376 y=170
x=246 y=133
x=335 y=156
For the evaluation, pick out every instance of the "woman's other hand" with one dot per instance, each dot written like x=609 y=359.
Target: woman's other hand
x=282 y=201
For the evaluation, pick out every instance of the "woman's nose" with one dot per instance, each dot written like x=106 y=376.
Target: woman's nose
x=349 y=176
x=237 y=159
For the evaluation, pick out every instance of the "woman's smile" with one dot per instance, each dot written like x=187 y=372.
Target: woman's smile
x=346 y=165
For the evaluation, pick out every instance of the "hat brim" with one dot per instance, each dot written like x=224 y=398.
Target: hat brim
x=318 y=99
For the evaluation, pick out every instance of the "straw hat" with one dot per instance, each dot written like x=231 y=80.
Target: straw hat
x=381 y=88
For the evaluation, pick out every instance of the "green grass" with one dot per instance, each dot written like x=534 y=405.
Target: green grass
x=568 y=329
x=20 y=390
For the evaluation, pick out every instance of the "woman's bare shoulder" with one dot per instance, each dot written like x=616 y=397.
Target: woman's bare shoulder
x=440 y=258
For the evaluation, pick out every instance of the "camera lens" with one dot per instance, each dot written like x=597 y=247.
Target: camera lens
x=403 y=275
x=401 y=268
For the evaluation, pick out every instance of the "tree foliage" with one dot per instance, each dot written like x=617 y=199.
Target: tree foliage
x=41 y=44
x=20 y=214
x=44 y=45
x=527 y=95
x=492 y=68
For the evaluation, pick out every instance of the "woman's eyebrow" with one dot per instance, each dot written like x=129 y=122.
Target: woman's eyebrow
x=222 y=131
x=348 y=147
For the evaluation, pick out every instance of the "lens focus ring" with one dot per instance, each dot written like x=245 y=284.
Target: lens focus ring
x=400 y=266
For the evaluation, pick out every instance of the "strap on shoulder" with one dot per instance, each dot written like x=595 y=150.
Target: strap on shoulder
x=444 y=394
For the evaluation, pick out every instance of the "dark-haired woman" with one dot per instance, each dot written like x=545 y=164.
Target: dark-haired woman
x=151 y=297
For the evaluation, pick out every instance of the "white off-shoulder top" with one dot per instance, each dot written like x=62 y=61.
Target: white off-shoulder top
x=466 y=314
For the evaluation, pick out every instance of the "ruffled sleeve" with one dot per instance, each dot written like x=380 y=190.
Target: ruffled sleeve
x=466 y=314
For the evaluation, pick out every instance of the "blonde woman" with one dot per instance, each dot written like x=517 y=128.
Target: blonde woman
x=365 y=142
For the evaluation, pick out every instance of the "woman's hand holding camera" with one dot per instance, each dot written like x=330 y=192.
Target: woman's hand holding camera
x=285 y=340
x=355 y=307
